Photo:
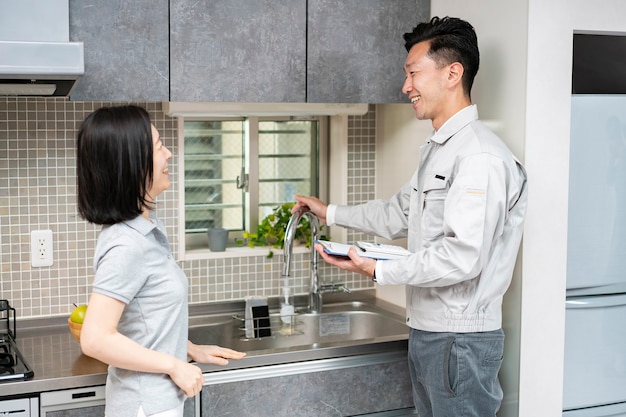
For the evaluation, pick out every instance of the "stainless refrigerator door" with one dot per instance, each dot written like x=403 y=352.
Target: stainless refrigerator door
x=595 y=351
x=596 y=242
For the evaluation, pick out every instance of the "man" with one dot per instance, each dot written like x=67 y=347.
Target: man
x=463 y=212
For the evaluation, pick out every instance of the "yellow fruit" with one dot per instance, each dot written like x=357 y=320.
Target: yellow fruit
x=78 y=314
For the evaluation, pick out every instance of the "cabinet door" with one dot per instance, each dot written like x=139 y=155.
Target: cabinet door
x=238 y=50
x=126 y=49
x=356 y=51
x=94 y=411
x=98 y=411
x=328 y=392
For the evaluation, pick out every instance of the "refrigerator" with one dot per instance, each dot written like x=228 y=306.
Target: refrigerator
x=595 y=307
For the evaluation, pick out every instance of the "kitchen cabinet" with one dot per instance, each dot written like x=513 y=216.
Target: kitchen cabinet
x=238 y=50
x=126 y=49
x=297 y=51
x=86 y=402
x=19 y=407
x=355 y=49
x=98 y=411
x=320 y=51
x=94 y=411
x=349 y=386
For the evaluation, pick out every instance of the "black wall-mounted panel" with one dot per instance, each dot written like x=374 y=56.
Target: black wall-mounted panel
x=599 y=64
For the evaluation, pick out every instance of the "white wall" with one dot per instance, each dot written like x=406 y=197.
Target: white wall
x=530 y=95
x=399 y=136
x=545 y=238
x=499 y=91
x=523 y=91
x=551 y=28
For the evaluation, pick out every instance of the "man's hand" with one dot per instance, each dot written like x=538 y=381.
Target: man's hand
x=353 y=262
x=312 y=204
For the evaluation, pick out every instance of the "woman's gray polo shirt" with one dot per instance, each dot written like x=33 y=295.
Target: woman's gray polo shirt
x=133 y=263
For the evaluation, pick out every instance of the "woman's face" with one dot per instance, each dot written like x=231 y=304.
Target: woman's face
x=160 y=158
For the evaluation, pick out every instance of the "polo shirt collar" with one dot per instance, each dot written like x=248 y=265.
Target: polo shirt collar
x=142 y=225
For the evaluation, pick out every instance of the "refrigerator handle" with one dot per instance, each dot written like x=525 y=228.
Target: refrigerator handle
x=598 y=301
x=606 y=410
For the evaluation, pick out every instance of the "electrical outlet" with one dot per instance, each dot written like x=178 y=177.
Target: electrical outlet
x=41 y=248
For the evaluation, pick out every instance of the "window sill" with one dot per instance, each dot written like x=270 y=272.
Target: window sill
x=236 y=252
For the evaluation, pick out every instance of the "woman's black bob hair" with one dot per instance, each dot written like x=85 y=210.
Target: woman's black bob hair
x=114 y=164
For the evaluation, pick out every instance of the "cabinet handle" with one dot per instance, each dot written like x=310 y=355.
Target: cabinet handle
x=86 y=394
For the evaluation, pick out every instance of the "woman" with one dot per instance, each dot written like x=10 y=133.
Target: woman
x=137 y=318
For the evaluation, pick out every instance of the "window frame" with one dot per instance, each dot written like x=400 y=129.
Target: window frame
x=193 y=246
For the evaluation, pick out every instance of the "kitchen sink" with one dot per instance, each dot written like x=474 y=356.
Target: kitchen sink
x=340 y=324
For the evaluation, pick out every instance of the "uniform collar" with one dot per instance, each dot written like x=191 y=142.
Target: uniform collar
x=457 y=122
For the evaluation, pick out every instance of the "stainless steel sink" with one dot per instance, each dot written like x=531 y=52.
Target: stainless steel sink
x=340 y=324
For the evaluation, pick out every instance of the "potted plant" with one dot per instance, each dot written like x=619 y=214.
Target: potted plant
x=271 y=230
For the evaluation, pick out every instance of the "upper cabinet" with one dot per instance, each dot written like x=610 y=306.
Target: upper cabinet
x=355 y=49
x=318 y=51
x=126 y=49
x=238 y=50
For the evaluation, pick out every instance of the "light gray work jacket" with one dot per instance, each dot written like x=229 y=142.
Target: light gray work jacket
x=463 y=213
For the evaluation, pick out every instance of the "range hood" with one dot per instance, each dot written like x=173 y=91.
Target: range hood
x=36 y=57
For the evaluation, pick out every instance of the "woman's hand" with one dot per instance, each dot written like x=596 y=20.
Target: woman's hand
x=188 y=377
x=212 y=354
x=100 y=339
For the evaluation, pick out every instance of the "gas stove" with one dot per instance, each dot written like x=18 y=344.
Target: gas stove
x=12 y=364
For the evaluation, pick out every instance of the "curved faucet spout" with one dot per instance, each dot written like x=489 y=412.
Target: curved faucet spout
x=290 y=236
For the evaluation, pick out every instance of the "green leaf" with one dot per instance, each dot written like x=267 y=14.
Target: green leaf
x=271 y=230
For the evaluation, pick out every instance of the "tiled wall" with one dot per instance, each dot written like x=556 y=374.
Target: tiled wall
x=37 y=191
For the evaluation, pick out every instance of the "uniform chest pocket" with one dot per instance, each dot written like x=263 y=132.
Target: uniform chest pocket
x=434 y=199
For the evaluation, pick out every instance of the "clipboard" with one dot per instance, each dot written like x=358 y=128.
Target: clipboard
x=368 y=250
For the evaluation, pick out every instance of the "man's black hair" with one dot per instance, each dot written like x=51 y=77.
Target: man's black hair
x=451 y=40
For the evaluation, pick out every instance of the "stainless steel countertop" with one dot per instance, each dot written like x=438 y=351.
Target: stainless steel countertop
x=58 y=363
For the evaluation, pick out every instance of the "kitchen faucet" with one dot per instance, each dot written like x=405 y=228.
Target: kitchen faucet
x=315 y=289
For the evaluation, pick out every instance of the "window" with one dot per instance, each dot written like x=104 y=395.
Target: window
x=236 y=171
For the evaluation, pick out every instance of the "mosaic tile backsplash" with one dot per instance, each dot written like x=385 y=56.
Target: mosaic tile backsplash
x=38 y=192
